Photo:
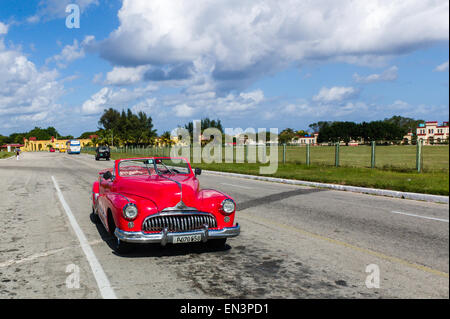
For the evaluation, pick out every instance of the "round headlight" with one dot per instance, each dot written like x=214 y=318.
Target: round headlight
x=130 y=211
x=228 y=206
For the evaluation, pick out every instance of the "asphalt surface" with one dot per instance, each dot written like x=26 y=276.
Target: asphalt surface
x=295 y=242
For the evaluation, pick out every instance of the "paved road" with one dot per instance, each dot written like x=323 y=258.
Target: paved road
x=296 y=242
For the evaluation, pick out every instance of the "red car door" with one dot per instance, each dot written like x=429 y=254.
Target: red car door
x=104 y=189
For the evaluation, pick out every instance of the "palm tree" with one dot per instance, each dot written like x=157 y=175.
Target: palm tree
x=166 y=138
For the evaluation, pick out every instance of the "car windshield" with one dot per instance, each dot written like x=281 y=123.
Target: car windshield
x=103 y=148
x=153 y=166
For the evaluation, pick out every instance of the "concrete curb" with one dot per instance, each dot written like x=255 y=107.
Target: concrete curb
x=356 y=189
x=4 y=159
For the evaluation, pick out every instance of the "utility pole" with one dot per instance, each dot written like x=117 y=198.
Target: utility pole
x=372 y=160
x=308 y=154
x=336 y=159
x=419 y=156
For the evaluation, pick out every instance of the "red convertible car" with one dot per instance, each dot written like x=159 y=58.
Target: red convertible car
x=158 y=200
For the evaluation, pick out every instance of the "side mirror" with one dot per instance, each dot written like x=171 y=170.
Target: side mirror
x=107 y=175
x=198 y=171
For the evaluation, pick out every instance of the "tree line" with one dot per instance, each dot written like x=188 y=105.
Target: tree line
x=127 y=128
x=39 y=133
x=389 y=129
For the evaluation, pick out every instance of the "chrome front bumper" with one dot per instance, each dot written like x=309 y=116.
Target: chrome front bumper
x=165 y=237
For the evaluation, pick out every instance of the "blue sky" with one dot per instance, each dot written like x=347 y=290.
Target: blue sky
x=249 y=63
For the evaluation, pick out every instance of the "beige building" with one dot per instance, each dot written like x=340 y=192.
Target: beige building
x=433 y=133
x=407 y=139
x=34 y=145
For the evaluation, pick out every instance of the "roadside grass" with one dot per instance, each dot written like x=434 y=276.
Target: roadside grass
x=6 y=154
x=430 y=181
x=434 y=182
x=386 y=156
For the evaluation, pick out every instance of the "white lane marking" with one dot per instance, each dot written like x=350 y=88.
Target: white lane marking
x=236 y=185
x=102 y=281
x=419 y=216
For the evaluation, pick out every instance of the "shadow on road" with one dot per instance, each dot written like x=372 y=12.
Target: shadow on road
x=276 y=197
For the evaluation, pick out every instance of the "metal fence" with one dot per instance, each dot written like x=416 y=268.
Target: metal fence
x=417 y=157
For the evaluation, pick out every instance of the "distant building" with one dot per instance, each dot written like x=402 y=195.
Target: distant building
x=10 y=147
x=310 y=139
x=407 y=139
x=162 y=142
x=34 y=145
x=432 y=133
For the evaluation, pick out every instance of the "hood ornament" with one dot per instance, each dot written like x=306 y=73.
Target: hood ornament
x=179 y=207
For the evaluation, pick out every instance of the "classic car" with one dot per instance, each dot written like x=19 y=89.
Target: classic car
x=102 y=152
x=159 y=200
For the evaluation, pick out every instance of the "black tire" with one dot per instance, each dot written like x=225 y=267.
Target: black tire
x=96 y=158
x=94 y=217
x=216 y=243
x=119 y=246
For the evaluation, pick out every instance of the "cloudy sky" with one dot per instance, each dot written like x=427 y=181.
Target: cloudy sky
x=250 y=63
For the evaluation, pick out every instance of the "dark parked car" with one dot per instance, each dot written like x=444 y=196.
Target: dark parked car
x=103 y=152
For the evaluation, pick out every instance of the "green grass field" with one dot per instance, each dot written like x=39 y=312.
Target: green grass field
x=6 y=154
x=402 y=157
x=395 y=167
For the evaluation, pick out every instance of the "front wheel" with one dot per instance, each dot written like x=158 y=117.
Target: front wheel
x=94 y=216
x=119 y=246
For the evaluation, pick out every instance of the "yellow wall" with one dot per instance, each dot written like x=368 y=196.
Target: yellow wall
x=36 y=146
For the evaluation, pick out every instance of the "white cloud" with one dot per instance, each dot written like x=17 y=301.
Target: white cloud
x=315 y=110
x=147 y=105
x=183 y=110
x=390 y=74
x=97 y=102
x=68 y=54
x=27 y=94
x=109 y=97
x=335 y=94
x=3 y=28
x=229 y=106
x=182 y=105
x=358 y=111
x=301 y=108
x=125 y=76
x=442 y=67
x=248 y=39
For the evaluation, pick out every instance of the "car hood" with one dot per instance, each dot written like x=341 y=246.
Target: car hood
x=164 y=191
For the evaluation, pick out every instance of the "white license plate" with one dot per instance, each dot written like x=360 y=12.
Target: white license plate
x=186 y=239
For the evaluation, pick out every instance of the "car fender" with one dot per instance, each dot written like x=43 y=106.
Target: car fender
x=115 y=202
x=211 y=201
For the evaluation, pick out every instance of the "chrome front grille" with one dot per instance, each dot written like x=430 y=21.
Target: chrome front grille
x=179 y=222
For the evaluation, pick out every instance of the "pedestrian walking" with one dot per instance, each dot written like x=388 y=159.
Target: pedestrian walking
x=17 y=153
